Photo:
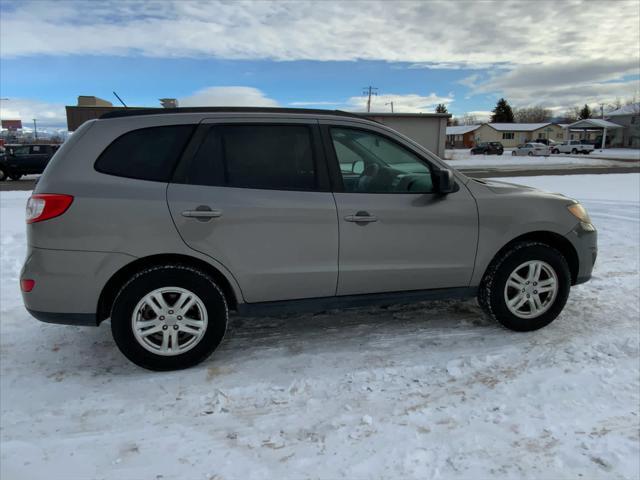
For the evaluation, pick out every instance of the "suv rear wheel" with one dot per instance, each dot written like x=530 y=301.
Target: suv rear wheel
x=169 y=317
x=3 y=174
x=527 y=287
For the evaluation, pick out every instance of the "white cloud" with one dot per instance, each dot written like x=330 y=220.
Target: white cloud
x=235 y=96
x=431 y=34
x=320 y=103
x=470 y=81
x=562 y=85
x=48 y=115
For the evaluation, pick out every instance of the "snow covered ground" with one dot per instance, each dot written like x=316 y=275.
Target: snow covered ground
x=432 y=390
x=463 y=159
x=621 y=153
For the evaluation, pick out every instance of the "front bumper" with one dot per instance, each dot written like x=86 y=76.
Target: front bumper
x=585 y=242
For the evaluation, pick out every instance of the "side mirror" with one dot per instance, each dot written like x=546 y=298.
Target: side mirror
x=445 y=181
x=357 y=166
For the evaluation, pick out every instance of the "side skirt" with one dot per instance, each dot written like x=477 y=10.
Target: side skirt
x=307 y=305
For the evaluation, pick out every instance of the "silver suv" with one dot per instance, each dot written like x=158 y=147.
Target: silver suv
x=164 y=220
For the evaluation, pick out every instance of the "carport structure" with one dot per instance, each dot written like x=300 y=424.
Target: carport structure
x=593 y=124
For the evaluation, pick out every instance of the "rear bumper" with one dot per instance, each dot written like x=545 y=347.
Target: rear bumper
x=84 y=319
x=68 y=283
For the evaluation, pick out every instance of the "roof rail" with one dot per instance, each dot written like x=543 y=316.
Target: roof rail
x=134 y=112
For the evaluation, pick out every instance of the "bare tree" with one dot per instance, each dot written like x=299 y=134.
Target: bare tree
x=454 y=122
x=469 y=119
x=572 y=115
x=615 y=105
x=536 y=114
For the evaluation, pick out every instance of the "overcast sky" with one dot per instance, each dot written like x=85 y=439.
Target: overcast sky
x=465 y=54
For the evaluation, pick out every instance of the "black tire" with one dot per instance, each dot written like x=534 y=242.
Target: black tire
x=3 y=174
x=146 y=281
x=500 y=153
x=15 y=176
x=555 y=151
x=574 y=151
x=530 y=154
x=491 y=291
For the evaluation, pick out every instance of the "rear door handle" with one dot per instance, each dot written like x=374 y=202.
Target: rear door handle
x=202 y=213
x=361 y=217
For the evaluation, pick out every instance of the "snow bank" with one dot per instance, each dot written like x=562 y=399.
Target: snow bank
x=464 y=159
x=431 y=390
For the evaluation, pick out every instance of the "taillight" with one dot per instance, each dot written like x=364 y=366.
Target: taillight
x=47 y=205
x=26 y=284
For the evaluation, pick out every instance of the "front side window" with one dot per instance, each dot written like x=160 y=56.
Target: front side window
x=371 y=163
x=145 y=154
x=21 y=151
x=274 y=157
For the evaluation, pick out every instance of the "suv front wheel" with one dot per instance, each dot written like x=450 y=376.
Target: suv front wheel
x=169 y=317
x=527 y=287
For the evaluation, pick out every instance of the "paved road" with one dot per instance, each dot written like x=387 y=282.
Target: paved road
x=22 y=184
x=479 y=172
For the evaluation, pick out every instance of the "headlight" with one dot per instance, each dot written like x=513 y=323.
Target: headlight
x=579 y=212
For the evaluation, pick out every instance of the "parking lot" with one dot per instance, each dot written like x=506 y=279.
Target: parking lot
x=406 y=391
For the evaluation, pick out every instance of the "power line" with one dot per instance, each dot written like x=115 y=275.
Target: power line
x=369 y=91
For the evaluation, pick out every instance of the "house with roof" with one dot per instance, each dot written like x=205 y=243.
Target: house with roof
x=629 y=118
x=514 y=134
x=461 y=136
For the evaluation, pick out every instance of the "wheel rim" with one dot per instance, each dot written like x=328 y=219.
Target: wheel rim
x=531 y=289
x=169 y=321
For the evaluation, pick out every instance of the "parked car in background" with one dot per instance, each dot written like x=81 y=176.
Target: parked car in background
x=547 y=141
x=531 y=149
x=19 y=160
x=163 y=222
x=488 y=148
x=573 y=146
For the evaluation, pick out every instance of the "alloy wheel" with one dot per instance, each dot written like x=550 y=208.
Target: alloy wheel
x=169 y=321
x=531 y=289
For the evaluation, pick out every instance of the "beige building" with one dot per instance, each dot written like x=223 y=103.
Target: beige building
x=91 y=101
x=514 y=134
x=427 y=129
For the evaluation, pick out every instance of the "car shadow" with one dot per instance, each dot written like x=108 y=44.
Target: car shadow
x=90 y=350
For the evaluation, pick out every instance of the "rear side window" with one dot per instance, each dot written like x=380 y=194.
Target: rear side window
x=275 y=157
x=145 y=154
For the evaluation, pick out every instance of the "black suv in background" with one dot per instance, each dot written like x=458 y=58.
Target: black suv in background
x=19 y=160
x=488 y=148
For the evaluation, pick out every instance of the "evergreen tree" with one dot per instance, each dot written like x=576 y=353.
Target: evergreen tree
x=441 y=108
x=502 y=113
x=585 y=112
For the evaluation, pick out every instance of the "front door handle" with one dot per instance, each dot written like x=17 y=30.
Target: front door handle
x=202 y=213
x=361 y=217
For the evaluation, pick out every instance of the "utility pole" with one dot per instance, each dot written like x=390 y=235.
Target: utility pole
x=369 y=91
x=602 y=110
x=390 y=103
x=35 y=128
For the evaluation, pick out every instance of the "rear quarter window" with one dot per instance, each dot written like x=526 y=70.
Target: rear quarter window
x=145 y=154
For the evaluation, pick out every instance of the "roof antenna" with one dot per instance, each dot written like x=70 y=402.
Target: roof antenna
x=125 y=105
